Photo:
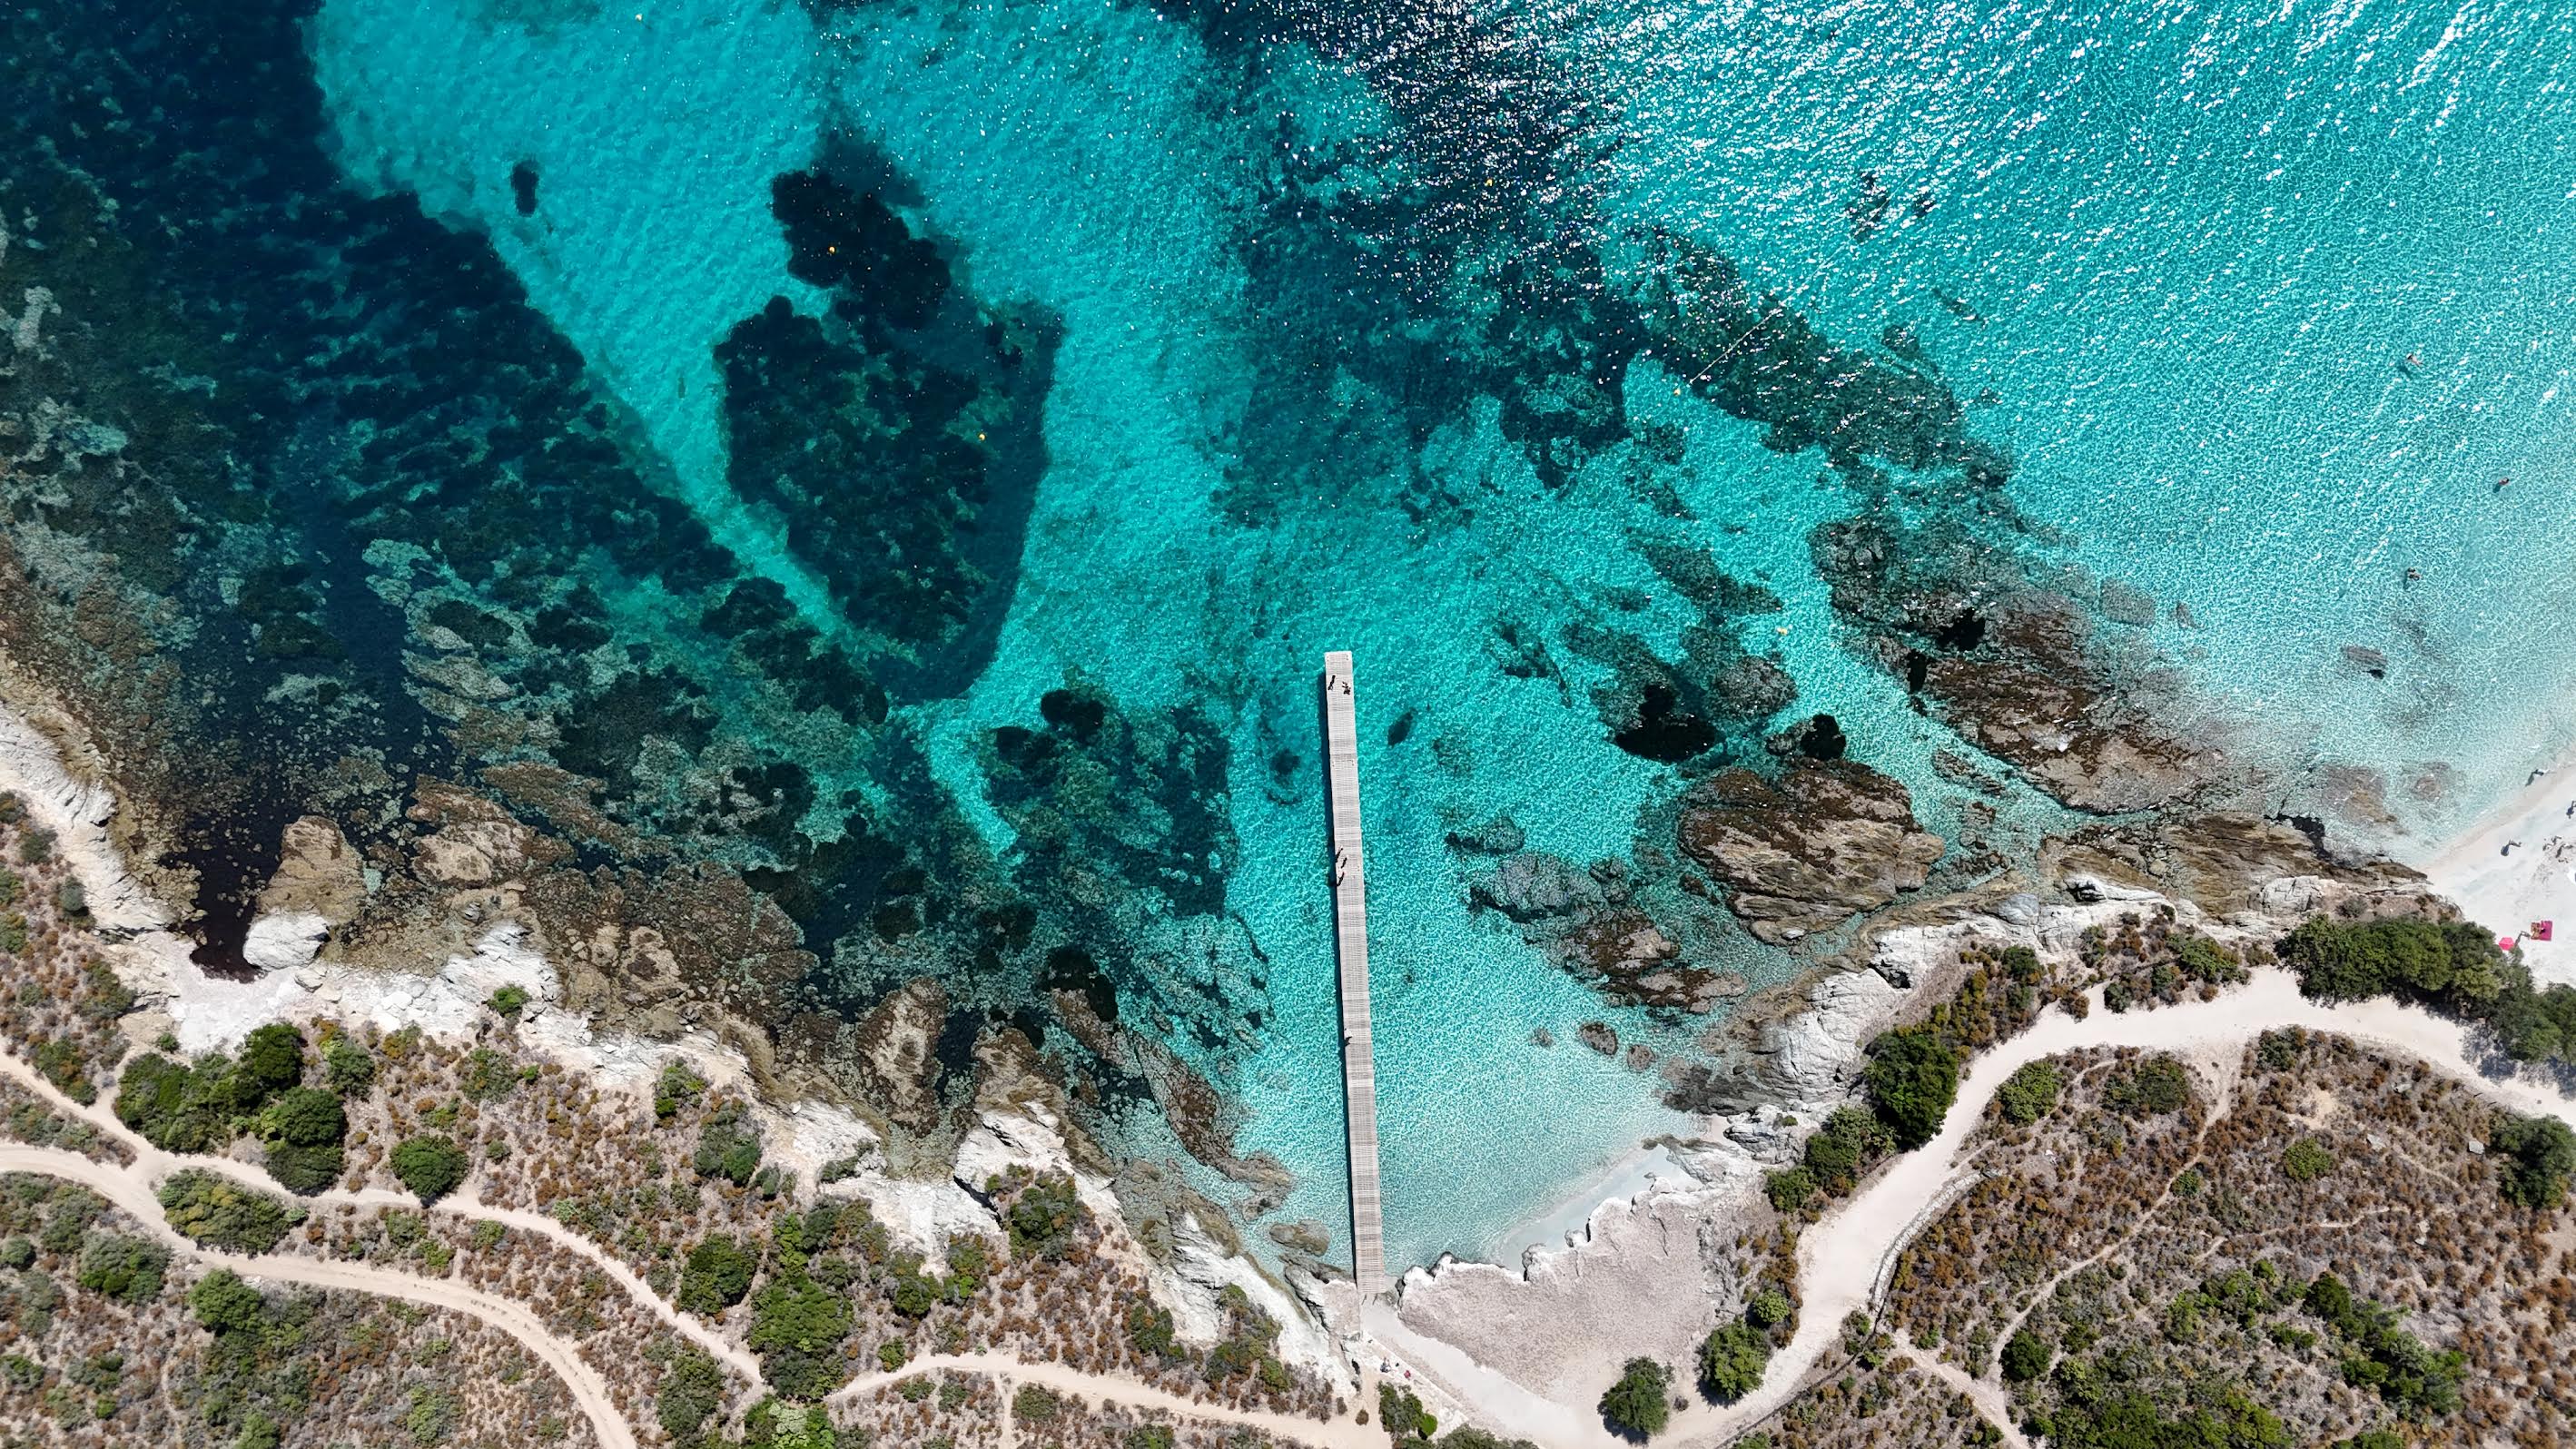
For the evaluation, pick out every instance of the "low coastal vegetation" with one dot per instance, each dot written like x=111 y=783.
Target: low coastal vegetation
x=107 y=1339
x=2452 y=966
x=207 y=1104
x=1912 y=1077
x=2323 y=1245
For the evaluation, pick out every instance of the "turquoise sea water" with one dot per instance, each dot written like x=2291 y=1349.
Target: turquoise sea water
x=2186 y=252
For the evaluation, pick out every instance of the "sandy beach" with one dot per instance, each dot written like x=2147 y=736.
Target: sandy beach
x=2516 y=868
x=1570 y=1216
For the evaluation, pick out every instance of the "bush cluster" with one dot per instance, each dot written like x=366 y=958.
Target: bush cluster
x=1637 y=1405
x=214 y=1211
x=2452 y=965
x=203 y=1106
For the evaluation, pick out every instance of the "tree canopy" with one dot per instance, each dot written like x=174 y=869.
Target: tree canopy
x=430 y=1165
x=1636 y=1406
x=1913 y=1077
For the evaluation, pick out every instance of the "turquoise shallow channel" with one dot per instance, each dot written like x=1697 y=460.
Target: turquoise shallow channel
x=966 y=423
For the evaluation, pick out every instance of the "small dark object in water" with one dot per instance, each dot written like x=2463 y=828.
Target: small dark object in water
x=523 y=187
x=1965 y=632
x=1402 y=730
x=1824 y=739
x=1664 y=730
x=2366 y=659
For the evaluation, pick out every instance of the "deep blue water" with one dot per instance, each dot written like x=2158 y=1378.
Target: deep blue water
x=1187 y=342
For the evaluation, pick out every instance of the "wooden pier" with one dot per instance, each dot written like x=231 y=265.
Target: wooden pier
x=1350 y=936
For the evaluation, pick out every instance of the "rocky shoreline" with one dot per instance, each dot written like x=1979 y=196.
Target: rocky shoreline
x=1649 y=1274
x=1018 y=1120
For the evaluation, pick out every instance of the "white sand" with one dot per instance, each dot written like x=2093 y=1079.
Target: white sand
x=1569 y=1218
x=2508 y=890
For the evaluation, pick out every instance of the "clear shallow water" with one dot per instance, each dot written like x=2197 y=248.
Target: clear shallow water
x=2204 y=241
x=2198 y=248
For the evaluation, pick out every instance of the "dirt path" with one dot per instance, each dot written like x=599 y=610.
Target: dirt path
x=127 y=1189
x=1836 y=1257
x=133 y=1189
x=1840 y=1259
x=151 y=1165
x=1336 y=1434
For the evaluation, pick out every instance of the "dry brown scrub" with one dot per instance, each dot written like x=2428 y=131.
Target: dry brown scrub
x=2133 y=1217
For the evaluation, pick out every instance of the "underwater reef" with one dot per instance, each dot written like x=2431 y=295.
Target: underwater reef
x=380 y=606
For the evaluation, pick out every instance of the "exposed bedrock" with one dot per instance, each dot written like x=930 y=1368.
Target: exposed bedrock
x=1806 y=851
x=2085 y=711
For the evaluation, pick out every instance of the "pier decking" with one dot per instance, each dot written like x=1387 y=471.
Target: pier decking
x=1350 y=935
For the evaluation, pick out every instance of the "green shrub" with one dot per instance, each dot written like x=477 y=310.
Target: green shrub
x=488 y=1075
x=509 y=1001
x=729 y=1146
x=691 y=1393
x=35 y=845
x=1149 y=1327
x=2025 y=1357
x=1843 y=1148
x=303 y=1128
x=1731 y=1362
x=174 y=1107
x=430 y=1165
x=716 y=1277
x=1400 y=1413
x=1044 y=1218
x=126 y=1269
x=676 y=1088
x=796 y=1327
x=1767 y=1309
x=1912 y=1078
x=914 y=1295
x=222 y=1301
x=1636 y=1405
x=2030 y=1093
x=2306 y=1160
x=2447 y=961
x=2408 y=1375
x=104 y=994
x=2152 y=1085
x=432 y=1415
x=1790 y=1188
x=1034 y=1405
x=348 y=1067
x=2278 y=1051
x=272 y=1060
x=2535 y=1156
x=2203 y=959
x=212 y=1210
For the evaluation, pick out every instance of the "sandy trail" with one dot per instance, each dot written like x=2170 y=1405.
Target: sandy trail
x=1336 y=1434
x=130 y=1192
x=1841 y=1259
x=151 y=1165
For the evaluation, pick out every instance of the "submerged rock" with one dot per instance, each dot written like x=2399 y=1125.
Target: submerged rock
x=1534 y=886
x=1807 y=851
x=1601 y=1036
